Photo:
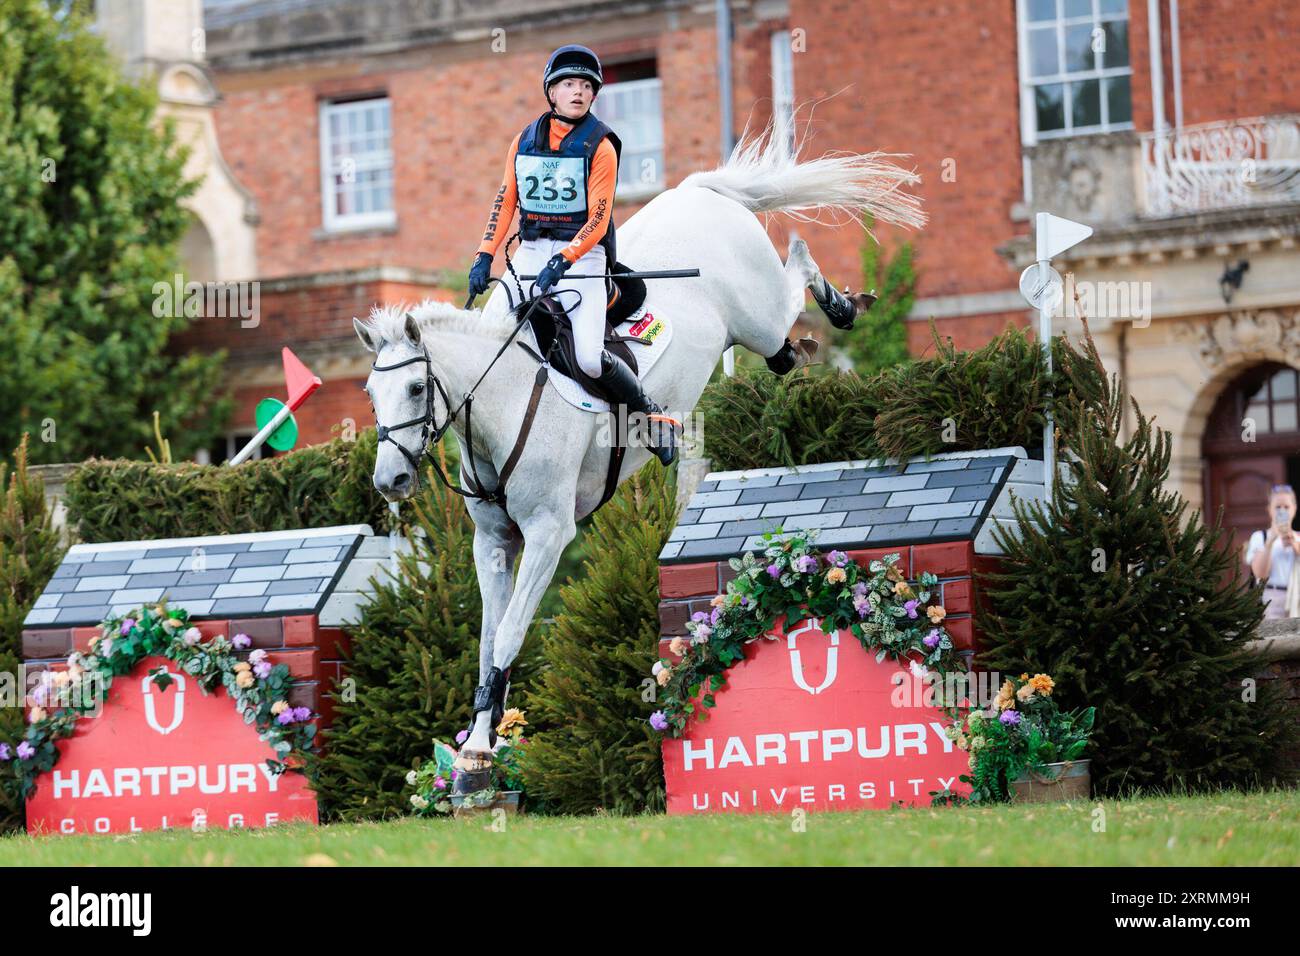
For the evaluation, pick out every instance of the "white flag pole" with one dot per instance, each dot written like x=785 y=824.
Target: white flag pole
x=1041 y=285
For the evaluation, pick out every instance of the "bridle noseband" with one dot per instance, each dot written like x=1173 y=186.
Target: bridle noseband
x=425 y=421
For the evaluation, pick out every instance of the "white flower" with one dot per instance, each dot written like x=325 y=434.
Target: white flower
x=192 y=636
x=659 y=665
x=106 y=647
x=257 y=656
x=701 y=634
x=419 y=802
x=918 y=670
x=410 y=778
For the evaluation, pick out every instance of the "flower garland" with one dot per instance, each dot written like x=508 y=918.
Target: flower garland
x=887 y=615
x=432 y=779
x=259 y=689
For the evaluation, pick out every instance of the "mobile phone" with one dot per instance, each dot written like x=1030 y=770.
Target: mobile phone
x=1280 y=517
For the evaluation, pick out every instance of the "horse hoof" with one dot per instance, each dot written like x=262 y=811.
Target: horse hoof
x=805 y=352
x=473 y=772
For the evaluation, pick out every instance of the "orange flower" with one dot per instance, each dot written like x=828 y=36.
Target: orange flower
x=903 y=590
x=1042 y=683
x=835 y=576
x=1006 y=696
x=936 y=613
x=718 y=601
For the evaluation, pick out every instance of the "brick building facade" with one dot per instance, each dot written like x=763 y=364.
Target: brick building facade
x=1006 y=107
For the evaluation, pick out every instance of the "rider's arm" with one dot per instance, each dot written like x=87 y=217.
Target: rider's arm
x=503 y=207
x=600 y=202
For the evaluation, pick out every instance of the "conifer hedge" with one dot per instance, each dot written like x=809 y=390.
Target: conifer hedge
x=953 y=400
x=312 y=487
x=1135 y=606
x=30 y=551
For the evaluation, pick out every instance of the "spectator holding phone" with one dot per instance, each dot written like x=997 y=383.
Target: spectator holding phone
x=1272 y=554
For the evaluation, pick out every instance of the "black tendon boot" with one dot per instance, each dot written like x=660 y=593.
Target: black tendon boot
x=794 y=355
x=624 y=388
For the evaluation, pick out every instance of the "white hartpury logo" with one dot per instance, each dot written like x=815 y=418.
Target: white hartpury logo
x=178 y=713
x=796 y=664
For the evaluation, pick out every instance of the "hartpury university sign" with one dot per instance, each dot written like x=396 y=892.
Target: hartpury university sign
x=164 y=759
x=811 y=720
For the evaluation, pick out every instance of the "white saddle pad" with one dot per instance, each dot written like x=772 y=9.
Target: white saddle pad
x=654 y=332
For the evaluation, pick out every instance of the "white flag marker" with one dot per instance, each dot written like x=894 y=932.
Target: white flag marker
x=1053 y=235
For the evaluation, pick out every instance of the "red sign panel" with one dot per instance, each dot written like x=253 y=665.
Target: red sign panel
x=811 y=720
x=164 y=759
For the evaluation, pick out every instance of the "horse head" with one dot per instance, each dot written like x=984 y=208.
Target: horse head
x=406 y=395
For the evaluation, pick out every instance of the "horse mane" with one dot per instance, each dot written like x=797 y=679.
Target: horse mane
x=388 y=322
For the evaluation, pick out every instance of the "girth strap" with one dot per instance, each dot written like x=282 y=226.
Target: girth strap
x=539 y=383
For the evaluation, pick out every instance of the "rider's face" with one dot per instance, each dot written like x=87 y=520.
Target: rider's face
x=572 y=96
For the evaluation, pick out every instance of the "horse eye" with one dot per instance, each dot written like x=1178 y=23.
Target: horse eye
x=417 y=388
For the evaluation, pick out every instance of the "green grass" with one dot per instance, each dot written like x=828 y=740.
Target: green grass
x=1225 y=829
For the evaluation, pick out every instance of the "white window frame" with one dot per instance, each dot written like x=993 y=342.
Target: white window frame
x=631 y=187
x=1029 y=132
x=783 y=89
x=332 y=220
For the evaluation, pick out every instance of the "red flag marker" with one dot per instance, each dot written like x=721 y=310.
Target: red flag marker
x=298 y=378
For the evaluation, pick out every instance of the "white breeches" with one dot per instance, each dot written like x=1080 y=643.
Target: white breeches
x=588 y=316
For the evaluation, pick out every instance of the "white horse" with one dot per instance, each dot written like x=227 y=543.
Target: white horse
x=743 y=296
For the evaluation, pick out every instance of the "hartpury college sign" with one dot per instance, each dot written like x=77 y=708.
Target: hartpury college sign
x=811 y=720
x=164 y=759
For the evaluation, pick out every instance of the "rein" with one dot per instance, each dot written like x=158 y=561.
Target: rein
x=431 y=432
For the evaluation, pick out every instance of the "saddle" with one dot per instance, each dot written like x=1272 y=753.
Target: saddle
x=554 y=332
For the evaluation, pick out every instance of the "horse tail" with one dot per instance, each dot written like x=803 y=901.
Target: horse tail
x=764 y=176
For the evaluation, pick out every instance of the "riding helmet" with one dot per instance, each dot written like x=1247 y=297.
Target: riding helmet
x=572 y=60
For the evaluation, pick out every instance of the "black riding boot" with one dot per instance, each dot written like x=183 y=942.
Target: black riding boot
x=625 y=389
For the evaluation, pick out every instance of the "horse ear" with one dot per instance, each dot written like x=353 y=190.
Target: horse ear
x=412 y=329
x=364 y=335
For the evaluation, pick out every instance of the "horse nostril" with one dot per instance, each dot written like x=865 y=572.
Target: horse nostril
x=401 y=481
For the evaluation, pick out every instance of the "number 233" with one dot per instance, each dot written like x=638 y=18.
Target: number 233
x=568 y=189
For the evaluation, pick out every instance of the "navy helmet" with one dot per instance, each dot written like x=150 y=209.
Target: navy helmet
x=572 y=60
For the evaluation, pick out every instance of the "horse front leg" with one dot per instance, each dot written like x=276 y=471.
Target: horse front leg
x=546 y=533
x=497 y=541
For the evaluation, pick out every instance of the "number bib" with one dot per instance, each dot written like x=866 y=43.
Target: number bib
x=551 y=185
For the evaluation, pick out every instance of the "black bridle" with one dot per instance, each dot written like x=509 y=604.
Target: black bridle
x=431 y=432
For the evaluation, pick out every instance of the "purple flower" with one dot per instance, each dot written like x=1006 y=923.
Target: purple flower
x=302 y=713
x=806 y=564
x=744 y=601
x=932 y=639
x=860 y=589
x=26 y=751
x=439 y=783
x=1010 y=717
x=658 y=721
x=262 y=669
x=127 y=624
x=717 y=613
x=773 y=570
x=4 y=752
x=462 y=736
x=700 y=616
x=285 y=717
x=838 y=558
x=910 y=607
x=241 y=641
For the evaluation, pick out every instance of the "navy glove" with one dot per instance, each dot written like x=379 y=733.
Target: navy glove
x=479 y=274
x=554 y=271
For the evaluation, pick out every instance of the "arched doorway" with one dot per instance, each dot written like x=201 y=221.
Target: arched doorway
x=1239 y=472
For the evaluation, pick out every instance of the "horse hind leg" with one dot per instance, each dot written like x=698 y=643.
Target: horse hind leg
x=840 y=308
x=800 y=271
